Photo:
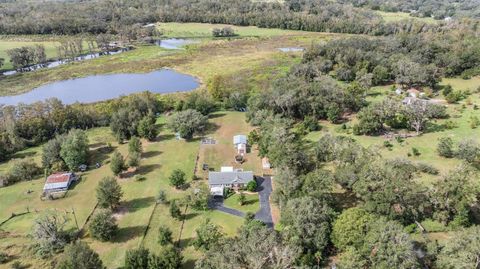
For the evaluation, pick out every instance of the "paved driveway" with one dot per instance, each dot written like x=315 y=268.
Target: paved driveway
x=264 y=214
x=264 y=191
x=217 y=204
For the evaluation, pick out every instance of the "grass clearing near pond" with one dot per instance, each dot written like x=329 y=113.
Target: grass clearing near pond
x=204 y=30
x=400 y=16
x=50 y=49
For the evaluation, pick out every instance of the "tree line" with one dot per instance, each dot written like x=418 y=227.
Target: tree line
x=101 y=16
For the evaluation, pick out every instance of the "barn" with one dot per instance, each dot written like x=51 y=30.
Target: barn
x=59 y=182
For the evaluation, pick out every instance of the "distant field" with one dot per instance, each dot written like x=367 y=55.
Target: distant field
x=205 y=30
x=399 y=16
x=50 y=49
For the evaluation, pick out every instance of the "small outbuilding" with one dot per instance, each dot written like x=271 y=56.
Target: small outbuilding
x=59 y=182
x=240 y=143
x=266 y=163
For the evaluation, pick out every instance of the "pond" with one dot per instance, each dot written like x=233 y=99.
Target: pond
x=104 y=87
x=174 y=43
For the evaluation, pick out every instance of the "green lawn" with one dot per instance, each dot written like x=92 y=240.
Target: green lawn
x=252 y=203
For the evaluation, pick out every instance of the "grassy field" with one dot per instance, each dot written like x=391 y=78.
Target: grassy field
x=50 y=49
x=159 y=159
x=400 y=16
x=204 y=30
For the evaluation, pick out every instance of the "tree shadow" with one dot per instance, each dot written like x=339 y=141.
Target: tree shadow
x=189 y=263
x=150 y=154
x=165 y=137
x=344 y=200
x=139 y=203
x=434 y=127
x=185 y=242
x=211 y=128
x=145 y=169
x=216 y=115
x=21 y=155
x=100 y=155
x=190 y=216
x=127 y=233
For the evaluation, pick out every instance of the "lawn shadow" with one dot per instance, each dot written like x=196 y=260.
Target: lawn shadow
x=165 y=137
x=190 y=215
x=216 y=115
x=145 y=169
x=22 y=155
x=127 y=233
x=139 y=203
x=344 y=200
x=185 y=242
x=189 y=263
x=211 y=128
x=100 y=155
x=150 y=154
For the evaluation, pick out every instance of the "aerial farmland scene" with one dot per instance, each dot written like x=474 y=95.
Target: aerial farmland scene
x=239 y=134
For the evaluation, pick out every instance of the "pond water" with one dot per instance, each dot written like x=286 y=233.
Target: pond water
x=291 y=49
x=103 y=87
x=56 y=63
x=174 y=43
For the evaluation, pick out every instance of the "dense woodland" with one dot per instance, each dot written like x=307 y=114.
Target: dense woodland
x=101 y=16
x=439 y=9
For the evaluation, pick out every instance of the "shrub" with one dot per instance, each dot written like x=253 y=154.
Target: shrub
x=447 y=90
x=103 y=226
x=415 y=152
x=310 y=124
x=164 y=235
x=468 y=150
x=242 y=199
x=427 y=168
x=444 y=147
x=3 y=257
x=79 y=255
x=177 y=178
x=450 y=124
x=252 y=185
x=162 y=197
x=117 y=163
x=137 y=258
x=387 y=144
x=474 y=122
x=175 y=210
x=23 y=169
x=109 y=193
x=433 y=226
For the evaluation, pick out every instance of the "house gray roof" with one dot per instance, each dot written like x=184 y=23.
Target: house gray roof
x=240 y=139
x=221 y=178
